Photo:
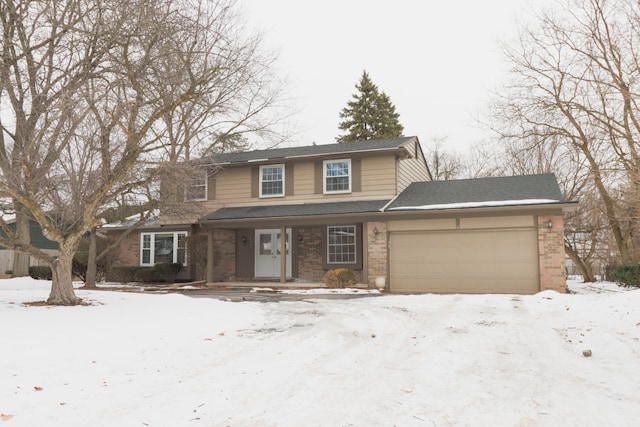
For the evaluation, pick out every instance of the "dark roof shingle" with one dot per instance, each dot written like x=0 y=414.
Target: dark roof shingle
x=309 y=151
x=307 y=209
x=512 y=190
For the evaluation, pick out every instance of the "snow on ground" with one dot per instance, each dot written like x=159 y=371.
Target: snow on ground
x=405 y=360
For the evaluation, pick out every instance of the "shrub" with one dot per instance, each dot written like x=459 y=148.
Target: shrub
x=627 y=274
x=123 y=274
x=340 y=278
x=159 y=273
x=167 y=272
x=41 y=272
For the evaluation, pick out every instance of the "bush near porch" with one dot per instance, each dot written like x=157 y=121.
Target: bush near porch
x=164 y=273
x=340 y=278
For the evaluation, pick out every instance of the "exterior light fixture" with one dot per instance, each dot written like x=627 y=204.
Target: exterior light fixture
x=244 y=239
x=549 y=224
x=375 y=231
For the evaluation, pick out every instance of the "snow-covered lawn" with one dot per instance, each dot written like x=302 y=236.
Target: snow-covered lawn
x=423 y=360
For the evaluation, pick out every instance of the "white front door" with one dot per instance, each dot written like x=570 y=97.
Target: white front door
x=268 y=253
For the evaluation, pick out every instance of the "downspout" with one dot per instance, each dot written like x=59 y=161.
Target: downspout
x=384 y=208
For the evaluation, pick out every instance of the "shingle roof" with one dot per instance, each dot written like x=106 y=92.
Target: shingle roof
x=309 y=151
x=464 y=193
x=152 y=221
x=307 y=209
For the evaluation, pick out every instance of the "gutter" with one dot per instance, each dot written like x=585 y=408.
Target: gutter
x=400 y=148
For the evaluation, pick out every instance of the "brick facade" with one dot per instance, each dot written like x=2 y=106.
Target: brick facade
x=129 y=250
x=224 y=255
x=551 y=253
x=310 y=247
x=377 y=253
x=311 y=258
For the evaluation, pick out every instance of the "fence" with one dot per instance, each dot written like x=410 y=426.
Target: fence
x=6 y=259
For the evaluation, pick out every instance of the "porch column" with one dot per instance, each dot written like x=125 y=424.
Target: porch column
x=283 y=254
x=209 y=275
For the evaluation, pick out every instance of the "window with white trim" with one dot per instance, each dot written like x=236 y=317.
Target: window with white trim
x=196 y=186
x=337 y=176
x=272 y=181
x=341 y=244
x=160 y=248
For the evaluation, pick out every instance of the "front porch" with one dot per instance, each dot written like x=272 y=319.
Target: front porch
x=252 y=257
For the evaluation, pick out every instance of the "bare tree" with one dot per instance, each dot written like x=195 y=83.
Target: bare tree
x=88 y=84
x=444 y=165
x=575 y=84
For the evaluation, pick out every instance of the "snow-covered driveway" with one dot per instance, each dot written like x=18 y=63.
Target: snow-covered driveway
x=429 y=360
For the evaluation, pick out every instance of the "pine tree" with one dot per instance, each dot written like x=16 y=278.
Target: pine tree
x=369 y=115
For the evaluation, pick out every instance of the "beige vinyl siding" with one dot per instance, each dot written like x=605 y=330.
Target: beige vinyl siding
x=498 y=222
x=379 y=176
x=304 y=179
x=233 y=185
x=421 y=224
x=412 y=169
x=377 y=181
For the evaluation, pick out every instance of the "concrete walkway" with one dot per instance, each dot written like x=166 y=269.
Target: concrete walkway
x=240 y=294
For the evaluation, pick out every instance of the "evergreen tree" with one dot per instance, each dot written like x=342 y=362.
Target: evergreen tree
x=369 y=115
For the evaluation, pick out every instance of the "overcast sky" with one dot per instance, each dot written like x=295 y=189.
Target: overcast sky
x=437 y=60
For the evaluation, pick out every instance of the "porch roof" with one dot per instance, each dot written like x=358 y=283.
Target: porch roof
x=300 y=210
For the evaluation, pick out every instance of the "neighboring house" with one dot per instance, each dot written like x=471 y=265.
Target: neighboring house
x=37 y=239
x=369 y=206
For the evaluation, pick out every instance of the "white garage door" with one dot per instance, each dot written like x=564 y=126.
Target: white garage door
x=464 y=261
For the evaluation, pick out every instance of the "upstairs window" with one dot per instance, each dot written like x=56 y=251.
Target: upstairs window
x=272 y=181
x=196 y=187
x=337 y=176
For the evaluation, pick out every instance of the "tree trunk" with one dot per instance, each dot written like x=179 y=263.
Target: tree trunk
x=582 y=265
x=62 y=286
x=23 y=233
x=90 y=280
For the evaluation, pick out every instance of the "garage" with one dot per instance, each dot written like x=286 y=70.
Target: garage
x=467 y=255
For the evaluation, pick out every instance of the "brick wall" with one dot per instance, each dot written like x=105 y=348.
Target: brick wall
x=129 y=250
x=377 y=252
x=224 y=255
x=310 y=254
x=551 y=253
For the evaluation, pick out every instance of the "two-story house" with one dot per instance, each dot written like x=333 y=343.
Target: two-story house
x=291 y=214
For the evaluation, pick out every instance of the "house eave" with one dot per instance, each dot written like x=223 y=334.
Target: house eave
x=307 y=220
x=558 y=208
x=291 y=221
x=401 y=151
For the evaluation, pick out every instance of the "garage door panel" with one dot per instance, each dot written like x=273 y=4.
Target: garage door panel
x=463 y=261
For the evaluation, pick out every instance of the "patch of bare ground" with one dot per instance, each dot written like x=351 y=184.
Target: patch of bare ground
x=47 y=304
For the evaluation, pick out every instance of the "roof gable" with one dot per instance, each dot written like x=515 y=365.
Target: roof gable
x=466 y=193
x=310 y=151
